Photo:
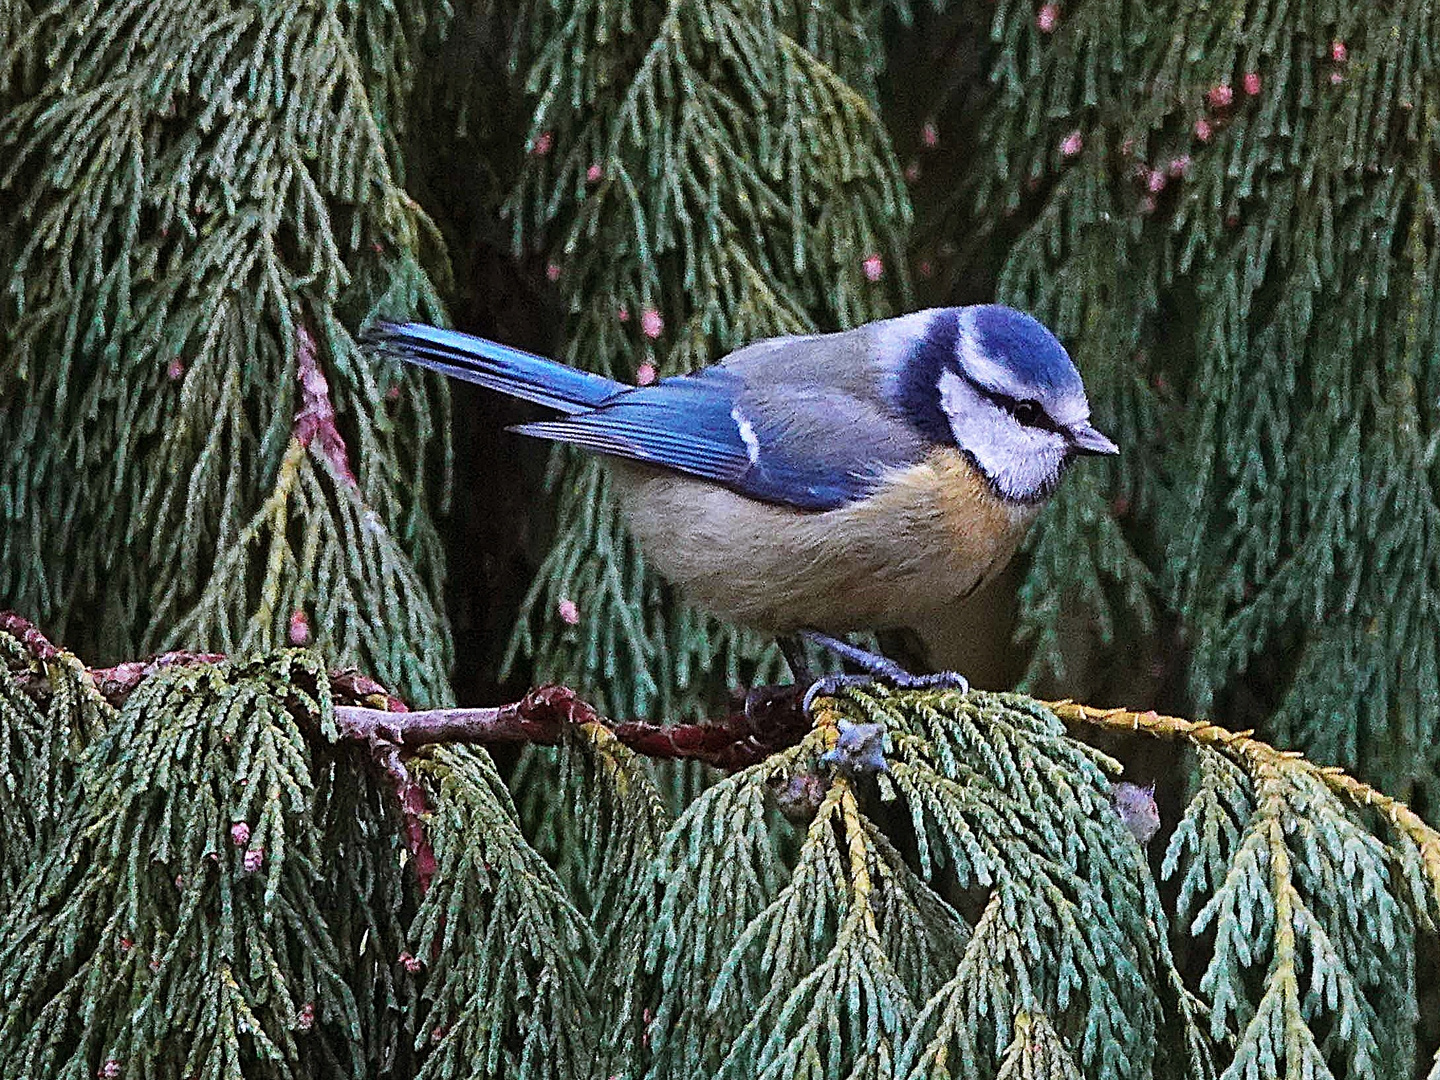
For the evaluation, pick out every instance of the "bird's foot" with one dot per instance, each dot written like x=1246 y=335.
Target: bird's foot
x=860 y=748
x=876 y=667
x=896 y=676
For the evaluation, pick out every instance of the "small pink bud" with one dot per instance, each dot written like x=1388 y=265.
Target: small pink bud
x=175 y=370
x=1155 y=182
x=305 y=1018
x=154 y=965
x=1179 y=166
x=652 y=323
x=569 y=611
x=1120 y=506
x=126 y=944
x=925 y=269
x=377 y=247
x=439 y=1033
x=1251 y=82
x=109 y=1071
x=240 y=833
x=1338 y=52
x=874 y=267
x=179 y=881
x=1047 y=18
x=543 y=142
x=1127 y=146
x=1336 y=78
x=1203 y=130
x=593 y=174
x=299 y=627
x=929 y=135
x=645 y=374
x=412 y=965
x=393 y=394
x=623 y=314
x=254 y=859
x=1220 y=96
x=912 y=172
x=552 y=271
x=1072 y=144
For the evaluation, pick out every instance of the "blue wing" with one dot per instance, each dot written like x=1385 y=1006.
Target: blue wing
x=806 y=448
x=797 y=421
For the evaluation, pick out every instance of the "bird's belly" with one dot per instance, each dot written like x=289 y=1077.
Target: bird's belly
x=928 y=535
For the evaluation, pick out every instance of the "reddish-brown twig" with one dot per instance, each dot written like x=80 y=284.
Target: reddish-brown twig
x=772 y=721
x=315 y=419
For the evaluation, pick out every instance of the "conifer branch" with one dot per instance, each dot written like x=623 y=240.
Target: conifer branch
x=248 y=785
x=772 y=721
x=1258 y=755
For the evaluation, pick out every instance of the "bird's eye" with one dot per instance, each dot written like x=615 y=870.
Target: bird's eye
x=1026 y=412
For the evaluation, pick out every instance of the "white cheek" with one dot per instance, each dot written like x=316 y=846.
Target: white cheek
x=1023 y=462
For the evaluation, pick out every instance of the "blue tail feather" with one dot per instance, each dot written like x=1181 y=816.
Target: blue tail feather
x=494 y=366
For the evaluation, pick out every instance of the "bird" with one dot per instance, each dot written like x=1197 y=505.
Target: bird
x=814 y=485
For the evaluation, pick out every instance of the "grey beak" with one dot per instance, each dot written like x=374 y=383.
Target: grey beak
x=1084 y=439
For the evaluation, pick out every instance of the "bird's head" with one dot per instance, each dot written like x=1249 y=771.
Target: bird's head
x=995 y=383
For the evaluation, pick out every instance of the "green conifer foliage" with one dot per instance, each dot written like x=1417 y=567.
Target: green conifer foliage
x=227 y=886
x=202 y=201
x=221 y=891
x=1229 y=211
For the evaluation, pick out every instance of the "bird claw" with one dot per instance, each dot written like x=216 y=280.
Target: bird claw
x=829 y=686
x=882 y=668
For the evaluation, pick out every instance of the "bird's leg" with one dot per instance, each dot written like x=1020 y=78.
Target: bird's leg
x=760 y=699
x=876 y=667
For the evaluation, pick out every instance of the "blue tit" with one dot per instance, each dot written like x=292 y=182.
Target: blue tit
x=823 y=483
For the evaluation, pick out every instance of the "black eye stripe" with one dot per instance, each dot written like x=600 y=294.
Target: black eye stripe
x=1014 y=406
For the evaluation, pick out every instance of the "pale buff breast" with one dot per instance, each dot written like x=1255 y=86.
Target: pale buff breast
x=928 y=535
